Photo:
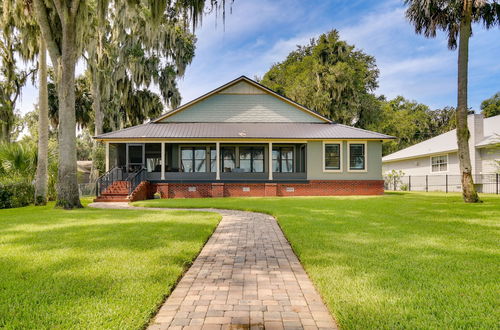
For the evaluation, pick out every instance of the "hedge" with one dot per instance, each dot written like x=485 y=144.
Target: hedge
x=16 y=194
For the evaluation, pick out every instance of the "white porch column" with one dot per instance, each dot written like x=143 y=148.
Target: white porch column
x=107 y=155
x=217 y=161
x=270 y=161
x=163 y=160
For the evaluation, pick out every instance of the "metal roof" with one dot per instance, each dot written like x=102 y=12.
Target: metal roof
x=447 y=142
x=242 y=131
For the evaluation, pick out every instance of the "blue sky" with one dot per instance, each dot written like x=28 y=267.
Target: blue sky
x=259 y=33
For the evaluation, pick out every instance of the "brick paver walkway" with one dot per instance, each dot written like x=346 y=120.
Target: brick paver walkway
x=246 y=277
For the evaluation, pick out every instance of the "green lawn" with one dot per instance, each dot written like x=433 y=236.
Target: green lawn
x=403 y=260
x=91 y=268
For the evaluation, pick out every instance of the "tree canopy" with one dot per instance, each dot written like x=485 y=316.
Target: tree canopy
x=329 y=76
x=333 y=78
x=491 y=107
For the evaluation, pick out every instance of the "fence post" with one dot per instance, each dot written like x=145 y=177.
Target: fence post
x=497 y=183
x=426 y=183
x=446 y=183
x=394 y=184
x=409 y=182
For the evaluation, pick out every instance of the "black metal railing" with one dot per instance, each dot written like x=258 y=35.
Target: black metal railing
x=135 y=179
x=107 y=179
x=485 y=183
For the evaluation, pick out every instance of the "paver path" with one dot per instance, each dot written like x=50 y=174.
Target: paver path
x=246 y=277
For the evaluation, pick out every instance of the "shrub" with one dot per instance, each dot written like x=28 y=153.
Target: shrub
x=16 y=194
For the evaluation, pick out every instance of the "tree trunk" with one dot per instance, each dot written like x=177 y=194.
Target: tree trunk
x=468 y=190
x=67 y=188
x=43 y=129
x=4 y=131
x=98 y=121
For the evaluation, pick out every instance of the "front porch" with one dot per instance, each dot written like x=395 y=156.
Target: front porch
x=209 y=162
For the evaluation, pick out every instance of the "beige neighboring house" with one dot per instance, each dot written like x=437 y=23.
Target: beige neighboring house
x=438 y=155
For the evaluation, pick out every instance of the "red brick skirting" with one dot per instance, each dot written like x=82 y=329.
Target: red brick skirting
x=311 y=188
x=141 y=192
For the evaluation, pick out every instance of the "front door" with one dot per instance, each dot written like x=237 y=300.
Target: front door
x=135 y=157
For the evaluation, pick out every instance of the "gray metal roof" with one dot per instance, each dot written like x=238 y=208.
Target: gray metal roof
x=243 y=131
x=447 y=142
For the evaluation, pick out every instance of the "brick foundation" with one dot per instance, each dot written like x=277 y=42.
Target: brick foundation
x=141 y=192
x=311 y=188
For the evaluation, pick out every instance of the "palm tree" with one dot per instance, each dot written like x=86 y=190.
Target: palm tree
x=456 y=17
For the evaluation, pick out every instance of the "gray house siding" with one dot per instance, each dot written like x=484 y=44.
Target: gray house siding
x=315 y=163
x=242 y=108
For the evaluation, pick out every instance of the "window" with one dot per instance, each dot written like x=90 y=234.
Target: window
x=193 y=159
x=357 y=156
x=283 y=159
x=228 y=157
x=439 y=163
x=213 y=160
x=153 y=157
x=252 y=159
x=332 y=156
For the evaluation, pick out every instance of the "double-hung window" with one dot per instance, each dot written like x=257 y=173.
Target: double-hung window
x=333 y=156
x=252 y=159
x=194 y=159
x=439 y=163
x=283 y=159
x=357 y=156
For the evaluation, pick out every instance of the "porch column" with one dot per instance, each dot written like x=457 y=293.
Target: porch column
x=107 y=155
x=217 y=161
x=163 y=160
x=270 y=161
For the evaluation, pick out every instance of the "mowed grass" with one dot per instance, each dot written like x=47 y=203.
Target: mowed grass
x=93 y=269
x=403 y=260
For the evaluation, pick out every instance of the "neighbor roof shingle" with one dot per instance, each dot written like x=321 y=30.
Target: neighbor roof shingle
x=243 y=131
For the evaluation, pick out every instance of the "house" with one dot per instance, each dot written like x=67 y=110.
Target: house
x=436 y=159
x=241 y=139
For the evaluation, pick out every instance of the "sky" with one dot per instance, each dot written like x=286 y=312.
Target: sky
x=258 y=33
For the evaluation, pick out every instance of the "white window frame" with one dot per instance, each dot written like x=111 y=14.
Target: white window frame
x=447 y=163
x=341 y=156
x=349 y=157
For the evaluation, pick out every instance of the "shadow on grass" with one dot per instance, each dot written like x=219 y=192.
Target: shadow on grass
x=402 y=260
x=93 y=268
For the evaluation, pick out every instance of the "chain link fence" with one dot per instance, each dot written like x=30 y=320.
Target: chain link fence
x=86 y=189
x=485 y=183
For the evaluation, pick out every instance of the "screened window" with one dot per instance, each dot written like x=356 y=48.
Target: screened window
x=439 y=163
x=213 y=160
x=193 y=159
x=153 y=157
x=252 y=159
x=332 y=156
x=283 y=159
x=228 y=156
x=357 y=159
x=135 y=154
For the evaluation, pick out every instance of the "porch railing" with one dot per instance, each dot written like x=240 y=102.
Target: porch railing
x=135 y=179
x=107 y=179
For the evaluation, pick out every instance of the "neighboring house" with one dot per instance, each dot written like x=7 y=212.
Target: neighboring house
x=241 y=139
x=438 y=155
